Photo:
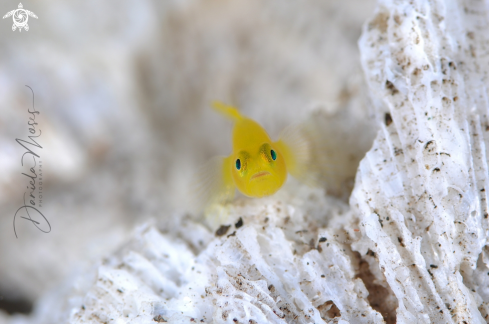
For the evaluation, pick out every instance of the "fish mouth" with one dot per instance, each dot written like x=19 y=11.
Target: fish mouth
x=260 y=174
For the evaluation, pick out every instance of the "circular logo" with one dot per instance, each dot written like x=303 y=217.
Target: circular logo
x=20 y=18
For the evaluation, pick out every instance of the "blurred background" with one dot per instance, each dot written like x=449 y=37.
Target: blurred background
x=124 y=90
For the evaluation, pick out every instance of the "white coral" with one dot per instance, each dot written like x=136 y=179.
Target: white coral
x=421 y=189
x=263 y=271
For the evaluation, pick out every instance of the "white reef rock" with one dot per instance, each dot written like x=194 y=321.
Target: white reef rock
x=274 y=263
x=409 y=248
x=420 y=192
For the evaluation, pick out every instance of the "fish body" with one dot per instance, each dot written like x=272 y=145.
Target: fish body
x=262 y=169
x=257 y=166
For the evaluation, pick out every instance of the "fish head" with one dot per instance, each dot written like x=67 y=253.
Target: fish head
x=259 y=171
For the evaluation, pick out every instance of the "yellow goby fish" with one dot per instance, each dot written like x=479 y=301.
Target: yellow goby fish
x=257 y=166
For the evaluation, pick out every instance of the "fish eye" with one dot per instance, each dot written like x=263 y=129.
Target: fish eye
x=273 y=154
x=238 y=164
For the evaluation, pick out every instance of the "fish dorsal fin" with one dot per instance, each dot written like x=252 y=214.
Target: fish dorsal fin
x=228 y=111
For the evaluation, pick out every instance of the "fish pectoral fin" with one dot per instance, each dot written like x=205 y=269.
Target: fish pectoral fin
x=296 y=150
x=212 y=184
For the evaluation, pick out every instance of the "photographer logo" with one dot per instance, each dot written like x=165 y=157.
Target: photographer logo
x=20 y=17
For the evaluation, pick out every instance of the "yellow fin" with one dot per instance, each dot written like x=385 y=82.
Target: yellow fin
x=295 y=148
x=228 y=111
x=212 y=184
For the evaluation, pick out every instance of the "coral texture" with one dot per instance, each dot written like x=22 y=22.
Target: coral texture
x=274 y=264
x=421 y=190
